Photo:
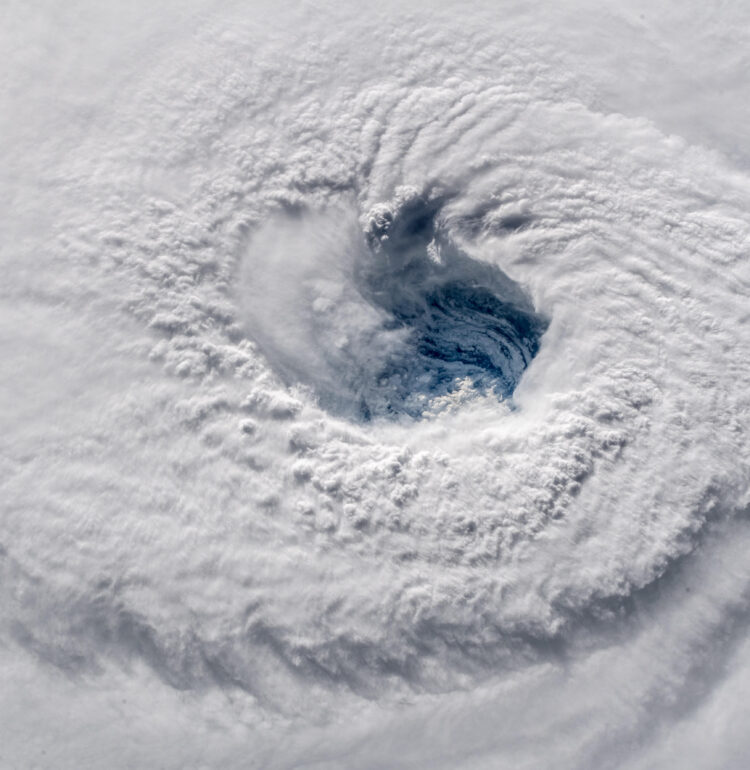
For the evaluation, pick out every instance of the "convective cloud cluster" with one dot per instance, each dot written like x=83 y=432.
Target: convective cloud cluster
x=375 y=387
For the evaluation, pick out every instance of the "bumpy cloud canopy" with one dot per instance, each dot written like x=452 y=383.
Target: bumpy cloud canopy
x=375 y=387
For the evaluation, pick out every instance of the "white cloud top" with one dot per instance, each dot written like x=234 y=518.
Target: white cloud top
x=205 y=562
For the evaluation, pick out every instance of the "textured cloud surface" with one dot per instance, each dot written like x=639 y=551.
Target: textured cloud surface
x=376 y=386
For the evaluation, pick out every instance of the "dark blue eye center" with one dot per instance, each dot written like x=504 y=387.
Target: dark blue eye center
x=462 y=319
x=456 y=332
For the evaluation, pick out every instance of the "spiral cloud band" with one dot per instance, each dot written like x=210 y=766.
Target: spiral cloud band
x=376 y=386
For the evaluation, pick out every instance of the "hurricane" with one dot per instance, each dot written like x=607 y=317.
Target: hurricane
x=376 y=385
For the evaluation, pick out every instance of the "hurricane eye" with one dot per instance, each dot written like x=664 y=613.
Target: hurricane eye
x=463 y=322
x=389 y=320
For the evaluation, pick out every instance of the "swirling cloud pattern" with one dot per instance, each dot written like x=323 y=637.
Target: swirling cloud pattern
x=375 y=387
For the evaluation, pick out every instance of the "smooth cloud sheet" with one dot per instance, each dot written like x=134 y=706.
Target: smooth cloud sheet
x=271 y=495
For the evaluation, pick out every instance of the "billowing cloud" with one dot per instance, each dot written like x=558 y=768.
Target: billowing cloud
x=375 y=388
